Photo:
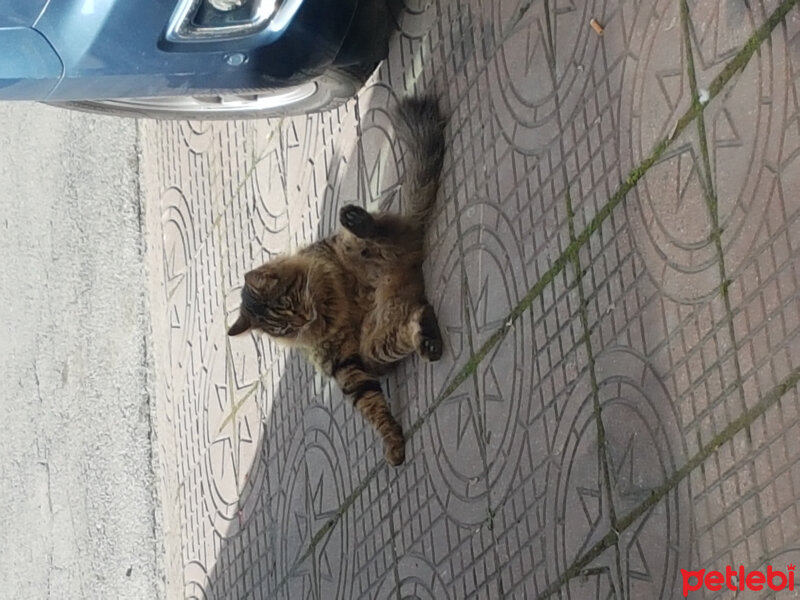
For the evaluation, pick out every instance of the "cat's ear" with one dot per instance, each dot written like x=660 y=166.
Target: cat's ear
x=261 y=281
x=257 y=280
x=266 y=283
x=242 y=324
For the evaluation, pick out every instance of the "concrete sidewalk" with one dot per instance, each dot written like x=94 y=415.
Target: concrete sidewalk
x=614 y=260
x=80 y=518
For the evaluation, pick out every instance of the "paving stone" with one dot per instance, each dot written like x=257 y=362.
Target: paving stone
x=625 y=363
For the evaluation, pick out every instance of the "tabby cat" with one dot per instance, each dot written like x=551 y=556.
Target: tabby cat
x=355 y=302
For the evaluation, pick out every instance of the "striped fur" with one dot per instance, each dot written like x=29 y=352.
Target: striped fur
x=355 y=302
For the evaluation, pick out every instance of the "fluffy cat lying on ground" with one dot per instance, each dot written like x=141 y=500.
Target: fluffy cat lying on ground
x=355 y=302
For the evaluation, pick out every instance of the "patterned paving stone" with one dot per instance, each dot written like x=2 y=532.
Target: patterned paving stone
x=634 y=411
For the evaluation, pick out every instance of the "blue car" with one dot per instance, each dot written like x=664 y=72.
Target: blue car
x=190 y=58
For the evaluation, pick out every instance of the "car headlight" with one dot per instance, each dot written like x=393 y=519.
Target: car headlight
x=226 y=5
x=200 y=22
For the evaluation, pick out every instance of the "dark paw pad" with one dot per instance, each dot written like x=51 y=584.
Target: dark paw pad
x=356 y=220
x=431 y=349
x=431 y=345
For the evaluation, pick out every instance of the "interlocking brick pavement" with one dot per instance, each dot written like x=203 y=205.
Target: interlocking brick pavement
x=614 y=259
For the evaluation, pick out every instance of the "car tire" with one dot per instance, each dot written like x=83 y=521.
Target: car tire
x=324 y=92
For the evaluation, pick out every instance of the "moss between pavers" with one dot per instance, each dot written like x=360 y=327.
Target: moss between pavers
x=569 y=256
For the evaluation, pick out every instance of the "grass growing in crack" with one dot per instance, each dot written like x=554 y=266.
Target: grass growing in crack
x=656 y=495
x=736 y=64
x=569 y=255
x=711 y=200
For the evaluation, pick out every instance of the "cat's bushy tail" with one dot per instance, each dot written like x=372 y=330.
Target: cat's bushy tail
x=420 y=125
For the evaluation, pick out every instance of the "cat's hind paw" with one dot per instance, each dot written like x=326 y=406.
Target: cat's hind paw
x=431 y=345
x=357 y=220
x=431 y=349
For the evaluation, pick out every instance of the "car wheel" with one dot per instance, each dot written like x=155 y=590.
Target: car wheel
x=324 y=92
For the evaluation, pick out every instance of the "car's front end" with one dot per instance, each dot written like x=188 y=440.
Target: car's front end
x=126 y=51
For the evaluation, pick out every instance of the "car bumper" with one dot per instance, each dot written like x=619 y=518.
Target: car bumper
x=116 y=49
x=38 y=75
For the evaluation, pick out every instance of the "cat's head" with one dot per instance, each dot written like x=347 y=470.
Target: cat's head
x=274 y=301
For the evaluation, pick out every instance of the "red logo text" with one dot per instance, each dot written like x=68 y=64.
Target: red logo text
x=738 y=579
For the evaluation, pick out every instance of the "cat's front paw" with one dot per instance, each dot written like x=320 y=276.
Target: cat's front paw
x=356 y=220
